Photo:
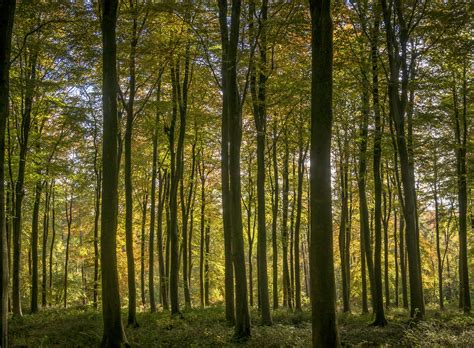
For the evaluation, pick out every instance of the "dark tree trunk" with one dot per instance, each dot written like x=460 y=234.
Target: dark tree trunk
x=7 y=11
x=323 y=292
x=387 y=209
x=438 y=247
x=203 y=177
x=142 y=248
x=284 y=230
x=362 y=184
x=163 y=194
x=258 y=91
x=206 y=265
x=225 y=173
x=275 y=219
x=19 y=186
x=233 y=113
x=151 y=245
x=44 y=250
x=377 y=283
x=344 y=219
x=34 y=246
x=395 y=256
x=397 y=56
x=114 y=334
x=68 y=240
x=461 y=134
x=53 y=238
x=297 y=245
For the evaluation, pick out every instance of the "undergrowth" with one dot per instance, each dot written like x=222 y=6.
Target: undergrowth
x=82 y=327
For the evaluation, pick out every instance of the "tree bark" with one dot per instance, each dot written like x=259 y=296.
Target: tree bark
x=113 y=335
x=397 y=55
x=461 y=135
x=323 y=293
x=34 y=246
x=68 y=240
x=7 y=12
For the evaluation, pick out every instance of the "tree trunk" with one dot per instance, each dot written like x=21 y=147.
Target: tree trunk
x=232 y=107
x=323 y=292
x=19 y=186
x=258 y=92
x=151 y=245
x=163 y=194
x=297 y=245
x=34 y=246
x=275 y=219
x=203 y=177
x=142 y=248
x=284 y=233
x=53 y=238
x=7 y=11
x=397 y=54
x=438 y=247
x=225 y=174
x=44 y=250
x=461 y=134
x=68 y=239
x=363 y=208
x=114 y=334
x=377 y=283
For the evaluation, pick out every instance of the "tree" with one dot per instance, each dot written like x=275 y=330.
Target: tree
x=232 y=114
x=398 y=98
x=323 y=293
x=7 y=12
x=114 y=334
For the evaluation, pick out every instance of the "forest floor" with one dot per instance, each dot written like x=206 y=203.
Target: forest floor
x=82 y=327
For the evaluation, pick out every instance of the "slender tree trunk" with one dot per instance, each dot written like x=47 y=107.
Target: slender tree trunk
x=438 y=247
x=395 y=256
x=114 y=334
x=284 y=233
x=275 y=219
x=34 y=246
x=377 y=281
x=397 y=54
x=362 y=177
x=297 y=245
x=203 y=177
x=68 y=239
x=461 y=134
x=7 y=12
x=232 y=107
x=53 y=238
x=19 y=186
x=206 y=265
x=142 y=248
x=323 y=292
x=151 y=245
x=225 y=173
x=258 y=92
x=44 y=250
x=344 y=219
x=163 y=194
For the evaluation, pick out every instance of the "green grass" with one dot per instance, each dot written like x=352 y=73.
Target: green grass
x=82 y=327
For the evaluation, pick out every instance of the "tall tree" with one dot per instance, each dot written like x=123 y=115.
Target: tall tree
x=323 y=292
x=233 y=113
x=258 y=92
x=461 y=135
x=7 y=12
x=377 y=155
x=114 y=334
x=399 y=77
